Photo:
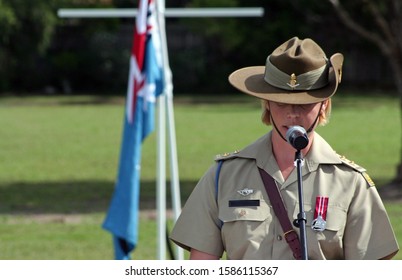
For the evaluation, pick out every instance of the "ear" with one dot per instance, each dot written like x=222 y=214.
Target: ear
x=324 y=106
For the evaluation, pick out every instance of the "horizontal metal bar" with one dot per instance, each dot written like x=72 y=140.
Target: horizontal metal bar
x=169 y=12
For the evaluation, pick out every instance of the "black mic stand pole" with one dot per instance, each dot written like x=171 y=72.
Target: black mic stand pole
x=301 y=217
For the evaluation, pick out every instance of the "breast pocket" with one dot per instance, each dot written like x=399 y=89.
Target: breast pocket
x=244 y=226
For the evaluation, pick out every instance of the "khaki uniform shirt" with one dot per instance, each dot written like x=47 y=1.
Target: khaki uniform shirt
x=357 y=225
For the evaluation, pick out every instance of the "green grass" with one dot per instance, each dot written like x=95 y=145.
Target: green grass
x=59 y=155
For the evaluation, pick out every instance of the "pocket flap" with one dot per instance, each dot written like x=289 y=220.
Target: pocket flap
x=245 y=213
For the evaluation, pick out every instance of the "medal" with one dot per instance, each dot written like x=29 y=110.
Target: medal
x=318 y=224
x=320 y=214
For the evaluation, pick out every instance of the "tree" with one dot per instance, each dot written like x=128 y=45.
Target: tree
x=383 y=29
x=25 y=33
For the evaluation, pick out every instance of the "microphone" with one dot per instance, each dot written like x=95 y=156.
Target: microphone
x=297 y=137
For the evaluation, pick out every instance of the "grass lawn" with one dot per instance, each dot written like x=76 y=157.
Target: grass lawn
x=59 y=155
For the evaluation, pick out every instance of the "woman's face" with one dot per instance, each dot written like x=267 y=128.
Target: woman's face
x=286 y=115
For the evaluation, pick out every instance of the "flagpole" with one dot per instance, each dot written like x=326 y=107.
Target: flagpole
x=161 y=160
x=161 y=179
x=174 y=170
x=168 y=110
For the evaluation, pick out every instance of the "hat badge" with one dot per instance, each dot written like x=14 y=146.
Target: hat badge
x=293 y=81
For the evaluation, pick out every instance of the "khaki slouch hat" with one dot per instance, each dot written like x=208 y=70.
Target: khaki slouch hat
x=297 y=72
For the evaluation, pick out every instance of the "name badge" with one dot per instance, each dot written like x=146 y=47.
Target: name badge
x=243 y=203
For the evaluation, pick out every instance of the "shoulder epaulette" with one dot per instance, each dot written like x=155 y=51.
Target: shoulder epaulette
x=225 y=156
x=358 y=168
x=351 y=164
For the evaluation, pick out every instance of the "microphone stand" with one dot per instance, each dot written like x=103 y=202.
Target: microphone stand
x=301 y=220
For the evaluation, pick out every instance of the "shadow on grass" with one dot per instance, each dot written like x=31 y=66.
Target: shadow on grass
x=76 y=197
x=392 y=191
x=84 y=197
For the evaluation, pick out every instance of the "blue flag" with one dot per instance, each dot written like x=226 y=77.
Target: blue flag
x=145 y=84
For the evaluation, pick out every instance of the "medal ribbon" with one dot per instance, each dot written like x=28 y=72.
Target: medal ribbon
x=321 y=206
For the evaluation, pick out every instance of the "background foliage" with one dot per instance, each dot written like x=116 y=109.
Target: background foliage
x=40 y=52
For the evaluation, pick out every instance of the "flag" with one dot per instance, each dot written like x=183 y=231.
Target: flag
x=145 y=84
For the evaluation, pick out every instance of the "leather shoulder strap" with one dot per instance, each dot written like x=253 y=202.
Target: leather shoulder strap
x=275 y=197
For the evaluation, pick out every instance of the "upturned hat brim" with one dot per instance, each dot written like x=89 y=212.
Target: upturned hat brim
x=250 y=80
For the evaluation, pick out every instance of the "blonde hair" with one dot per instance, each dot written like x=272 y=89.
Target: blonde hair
x=323 y=118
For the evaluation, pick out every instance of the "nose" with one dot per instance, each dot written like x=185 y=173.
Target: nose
x=294 y=111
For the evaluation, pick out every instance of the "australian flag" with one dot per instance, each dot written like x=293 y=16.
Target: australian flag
x=145 y=84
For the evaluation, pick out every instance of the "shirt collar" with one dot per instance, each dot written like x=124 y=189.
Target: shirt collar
x=261 y=150
x=320 y=153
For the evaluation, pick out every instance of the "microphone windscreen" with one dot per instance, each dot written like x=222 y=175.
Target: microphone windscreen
x=297 y=137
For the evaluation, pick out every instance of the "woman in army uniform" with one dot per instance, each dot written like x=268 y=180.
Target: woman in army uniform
x=230 y=210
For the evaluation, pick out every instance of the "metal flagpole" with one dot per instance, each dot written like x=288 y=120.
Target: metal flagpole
x=161 y=177
x=174 y=170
